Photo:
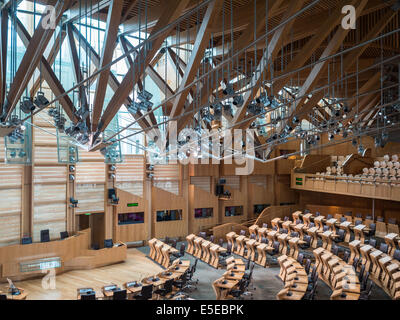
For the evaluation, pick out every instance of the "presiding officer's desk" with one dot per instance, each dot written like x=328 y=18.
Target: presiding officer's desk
x=21 y=262
x=19 y=294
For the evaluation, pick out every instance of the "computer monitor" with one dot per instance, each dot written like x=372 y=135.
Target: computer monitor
x=88 y=296
x=108 y=243
x=26 y=240
x=219 y=190
x=64 y=235
x=45 y=235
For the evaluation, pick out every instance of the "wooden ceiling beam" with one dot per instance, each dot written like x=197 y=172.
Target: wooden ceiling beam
x=77 y=68
x=268 y=55
x=111 y=33
x=32 y=57
x=55 y=48
x=201 y=43
x=112 y=80
x=48 y=74
x=172 y=10
x=3 y=55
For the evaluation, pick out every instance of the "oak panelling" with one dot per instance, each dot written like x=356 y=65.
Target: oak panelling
x=10 y=204
x=162 y=200
x=45 y=155
x=86 y=156
x=50 y=216
x=167 y=177
x=201 y=170
x=73 y=251
x=258 y=195
x=325 y=210
x=130 y=175
x=90 y=172
x=131 y=232
x=259 y=169
x=199 y=198
x=56 y=175
x=45 y=136
x=10 y=228
x=203 y=183
x=90 y=197
x=238 y=198
x=11 y=175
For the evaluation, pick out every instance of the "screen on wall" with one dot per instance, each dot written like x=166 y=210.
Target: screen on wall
x=233 y=211
x=169 y=215
x=203 y=213
x=130 y=218
x=258 y=208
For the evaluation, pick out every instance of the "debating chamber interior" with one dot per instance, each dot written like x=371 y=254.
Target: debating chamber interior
x=199 y=150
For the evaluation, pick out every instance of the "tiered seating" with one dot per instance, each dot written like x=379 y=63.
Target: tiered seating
x=206 y=250
x=164 y=285
x=294 y=276
x=235 y=281
x=383 y=264
x=384 y=268
x=161 y=252
x=263 y=241
x=339 y=275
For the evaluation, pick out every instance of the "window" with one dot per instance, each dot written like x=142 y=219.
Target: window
x=130 y=218
x=169 y=215
x=203 y=213
x=258 y=208
x=233 y=211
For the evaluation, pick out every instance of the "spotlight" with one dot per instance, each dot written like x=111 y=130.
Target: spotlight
x=27 y=105
x=238 y=101
x=74 y=202
x=40 y=100
x=144 y=96
x=361 y=150
x=331 y=136
x=228 y=90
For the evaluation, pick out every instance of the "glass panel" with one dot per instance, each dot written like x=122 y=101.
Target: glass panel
x=203 y=213
x=130 y=218
x=233 y=211
x=169 y=215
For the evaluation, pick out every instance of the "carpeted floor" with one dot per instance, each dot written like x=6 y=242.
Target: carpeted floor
x=265 y=282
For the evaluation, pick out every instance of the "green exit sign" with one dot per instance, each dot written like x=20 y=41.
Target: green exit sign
x=299 y=181
x=133 y=204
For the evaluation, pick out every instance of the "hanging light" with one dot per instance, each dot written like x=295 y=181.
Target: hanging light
x=27 y=105
x=40 y=100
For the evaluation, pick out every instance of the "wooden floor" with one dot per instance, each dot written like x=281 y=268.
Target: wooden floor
x=136 y=267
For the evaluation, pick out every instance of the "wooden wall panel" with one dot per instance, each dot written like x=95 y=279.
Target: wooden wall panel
x=199 y=198
x=47 y=174
x=90 y=197
x=10 y=204
x=132 y=232
x=45 y=155
x=203 y=183
x=130 y=175
x=162 y=200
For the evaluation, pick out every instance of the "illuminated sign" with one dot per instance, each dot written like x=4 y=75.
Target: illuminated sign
x=135 y=204
x=40 y=264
